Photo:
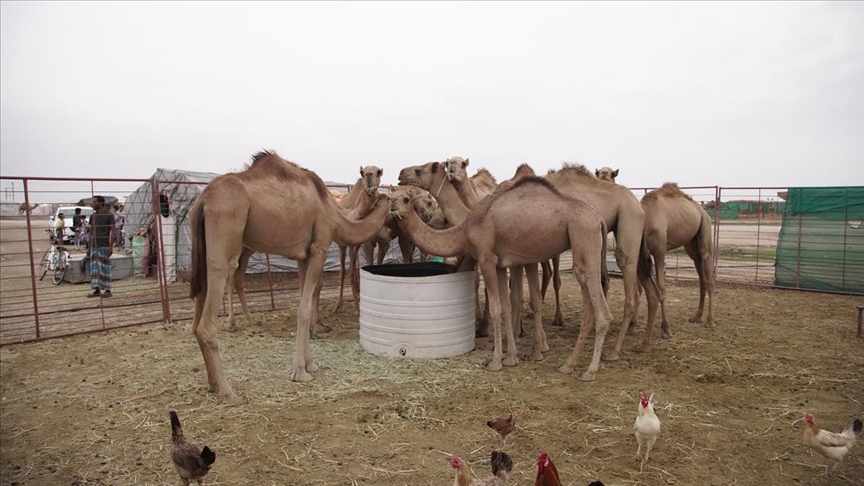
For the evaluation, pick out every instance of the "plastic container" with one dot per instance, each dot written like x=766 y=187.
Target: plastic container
x=418 y=310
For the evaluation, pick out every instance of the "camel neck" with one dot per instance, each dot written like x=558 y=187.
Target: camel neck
x=446 y=243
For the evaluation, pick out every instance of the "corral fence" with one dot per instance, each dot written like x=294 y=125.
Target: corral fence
x=764 y=236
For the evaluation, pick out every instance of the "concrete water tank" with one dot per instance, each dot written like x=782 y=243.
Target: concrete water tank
x=418 y=310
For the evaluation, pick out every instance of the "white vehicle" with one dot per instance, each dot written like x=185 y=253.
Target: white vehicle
x=68 y=214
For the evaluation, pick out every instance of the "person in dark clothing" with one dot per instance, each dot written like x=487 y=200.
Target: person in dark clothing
x=101 y=247
x=78 y=221
x=164 y=204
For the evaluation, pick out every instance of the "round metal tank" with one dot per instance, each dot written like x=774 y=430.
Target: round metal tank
x=418 y=310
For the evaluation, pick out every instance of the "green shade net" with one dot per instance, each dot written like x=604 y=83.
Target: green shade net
x=821 y=242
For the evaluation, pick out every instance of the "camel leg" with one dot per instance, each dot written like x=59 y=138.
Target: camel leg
x=311 y=273
x=705 y=271
x=219 y=267
x=536 y=299
x=382 y=252
x=652 y=295
x=481 y=312
x=660 y=269
x=239 y=277
x=627 y=259
x=343 y=251
x=406 y=247
x=488 y=265
x=355 y=276
x=318 y=324
x=516 y=300
x=556 y=285
x=504 y=296
x=587 y=269
x=584 y=329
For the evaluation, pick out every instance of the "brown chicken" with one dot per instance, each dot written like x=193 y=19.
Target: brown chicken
x=502 y=466
x=190 y=462
x=833 y=447
x=503 y=426
x=547 y=473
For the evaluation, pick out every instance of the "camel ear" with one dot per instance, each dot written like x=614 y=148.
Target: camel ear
x=390 y=189
x=380 y=172
x=465 y=164
x=434 y=167
x=361 y=170
x=615 y=174
x=596 y=172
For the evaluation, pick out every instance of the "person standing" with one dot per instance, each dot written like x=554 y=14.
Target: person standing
x=78 y=221
x=101 y=247
x=119 y=222
x=60 y=228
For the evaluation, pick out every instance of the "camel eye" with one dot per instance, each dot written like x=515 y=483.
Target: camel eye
x=405 y=200
x=417 y=172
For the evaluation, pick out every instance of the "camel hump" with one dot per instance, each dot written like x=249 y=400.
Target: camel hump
x=668 y=189
x=268 y=163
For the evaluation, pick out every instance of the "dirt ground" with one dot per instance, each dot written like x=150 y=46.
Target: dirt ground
x=93 y=409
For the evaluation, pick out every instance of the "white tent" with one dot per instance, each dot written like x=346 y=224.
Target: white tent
x=183 y=188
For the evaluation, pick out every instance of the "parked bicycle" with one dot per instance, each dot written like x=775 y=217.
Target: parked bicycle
x=81 y=239
x=56 y=261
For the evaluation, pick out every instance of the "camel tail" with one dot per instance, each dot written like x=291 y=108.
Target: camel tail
x=198 y=284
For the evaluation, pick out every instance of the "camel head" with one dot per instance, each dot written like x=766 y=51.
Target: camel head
x=401 y=201
x=606 y=174
x=424 y=204
x=423 y=176
x=457 y=169
x=371 y=176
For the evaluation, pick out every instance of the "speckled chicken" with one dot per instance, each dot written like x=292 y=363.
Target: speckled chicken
x=191 y=462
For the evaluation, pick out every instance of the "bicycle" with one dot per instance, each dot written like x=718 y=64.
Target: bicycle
x=57 y=261
x=81 y=239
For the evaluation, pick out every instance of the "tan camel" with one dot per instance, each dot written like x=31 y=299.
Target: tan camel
x=606 y=174
x=623 y=215
x=673 y=219
x=357 y=204
x=499 y=234
x=457 y=174
x=273 y=206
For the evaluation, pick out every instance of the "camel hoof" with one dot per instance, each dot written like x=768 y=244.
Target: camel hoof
x=666 y=334
x=586 y=377
x=559 y=321
x=535 y=357
x=233 y=328
x=642 y=349
x=566 y=369
x=481 y=333
x=510 y=360
x=231 y=399
x=611 y=356
x=312 y=366
x=695 y=319
x=300 y=376
x=493 y=365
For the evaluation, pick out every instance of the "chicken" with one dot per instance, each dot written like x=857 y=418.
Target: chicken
x=503 y=426
x=833 y=447
x=189 y=461
x=547 y=473
x=502 y=466
x=647 y=425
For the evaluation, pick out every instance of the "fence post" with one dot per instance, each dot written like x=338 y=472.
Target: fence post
x=32 y=263
x=798 y=256
x=717 y=214
x=160 y=252
x=758 y=233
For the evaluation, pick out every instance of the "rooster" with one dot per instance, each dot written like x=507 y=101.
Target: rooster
x=647 y=425
x=189 y=461
x=503 y=426
x=547 y=473
x=502 y=466
x=833 y=447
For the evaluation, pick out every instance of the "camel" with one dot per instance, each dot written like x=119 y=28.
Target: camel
x=273 y=206
x=457 y=174
x=624 y=216
x=606 y=174
x=499 y=234
x=357 y=204
x=673 y=219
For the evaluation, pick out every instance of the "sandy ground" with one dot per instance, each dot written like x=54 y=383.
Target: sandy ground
x=93 y=409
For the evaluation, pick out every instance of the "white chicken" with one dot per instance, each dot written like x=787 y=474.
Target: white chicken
x=833 y=447
x=647 y=425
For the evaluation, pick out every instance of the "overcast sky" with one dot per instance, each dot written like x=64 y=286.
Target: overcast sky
x=700 y=93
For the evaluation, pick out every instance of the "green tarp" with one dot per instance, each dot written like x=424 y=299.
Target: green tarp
x=821 y=242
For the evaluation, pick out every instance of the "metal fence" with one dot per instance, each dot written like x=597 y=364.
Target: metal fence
x=146 y=290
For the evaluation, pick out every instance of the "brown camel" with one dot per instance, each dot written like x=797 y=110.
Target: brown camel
x=606 y=174
x=673 y=219
x=273 y=206
x=457 y=174
x=357 y=204
x=500 y=233
x=623 y=215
